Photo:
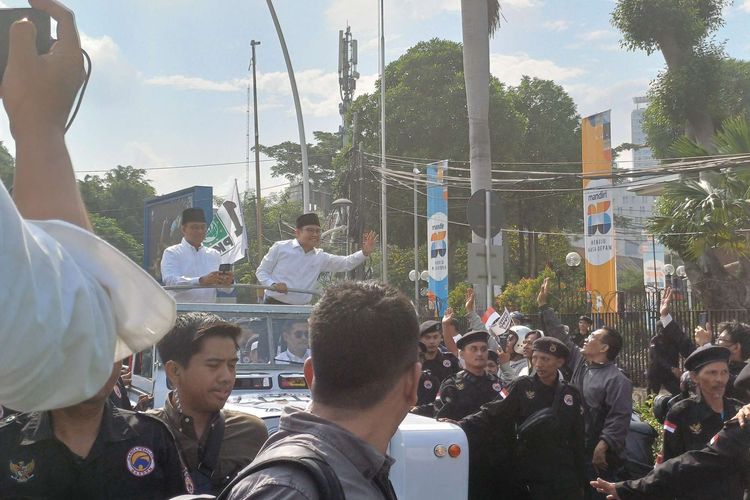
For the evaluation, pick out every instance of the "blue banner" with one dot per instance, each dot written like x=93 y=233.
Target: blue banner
x=437 y=234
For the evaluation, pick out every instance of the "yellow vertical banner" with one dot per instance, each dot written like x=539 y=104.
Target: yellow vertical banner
x=599 y=227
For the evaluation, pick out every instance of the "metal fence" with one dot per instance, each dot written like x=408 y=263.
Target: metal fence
x=636 y=321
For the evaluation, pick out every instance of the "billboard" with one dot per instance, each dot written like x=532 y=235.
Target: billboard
x=653 y=263
x=162 y=222
x=437 y=233
x=598 y=216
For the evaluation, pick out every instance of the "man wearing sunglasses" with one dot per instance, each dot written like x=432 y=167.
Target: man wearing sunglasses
x=297 y=344
x=297 y=263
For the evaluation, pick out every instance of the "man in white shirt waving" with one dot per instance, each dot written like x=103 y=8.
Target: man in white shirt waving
x=190 y=263
x=297 y=263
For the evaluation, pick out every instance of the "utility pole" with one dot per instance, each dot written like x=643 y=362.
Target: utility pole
x=258 y=198
x=383 y=197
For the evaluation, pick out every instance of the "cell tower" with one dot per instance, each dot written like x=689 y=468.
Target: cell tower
x=347 y=79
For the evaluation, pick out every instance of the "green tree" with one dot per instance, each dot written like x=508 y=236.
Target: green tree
x=700 y=218
x=320 y=158
x=427 y=118
x=120 y=194
x=108 y=229
x=552 y=134
x=680 y=29
x=7 y=166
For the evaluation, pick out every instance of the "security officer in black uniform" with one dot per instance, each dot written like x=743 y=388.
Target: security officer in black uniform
x=542 y=420
x=691 y=422
x=440 y=364
x=55 y=455
x=711 y=473
x=428 y=386
x=465 y=392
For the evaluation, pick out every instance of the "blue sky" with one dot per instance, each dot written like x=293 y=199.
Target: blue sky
x=169 y=82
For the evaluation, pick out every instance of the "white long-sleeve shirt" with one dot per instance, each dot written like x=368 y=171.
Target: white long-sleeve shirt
x=287 y=262
x=70 y=306
x=183 y=264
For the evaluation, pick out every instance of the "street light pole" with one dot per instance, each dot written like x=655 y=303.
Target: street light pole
x=298 y=108
x=383 y=198
x=415 y=171
x=258 y=198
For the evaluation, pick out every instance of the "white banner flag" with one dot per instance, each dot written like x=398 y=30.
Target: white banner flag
x=227 y=234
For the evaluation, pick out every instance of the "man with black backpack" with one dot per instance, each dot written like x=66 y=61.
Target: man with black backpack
x=339 y=442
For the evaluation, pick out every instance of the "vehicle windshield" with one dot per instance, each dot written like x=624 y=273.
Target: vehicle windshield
x=271 y=335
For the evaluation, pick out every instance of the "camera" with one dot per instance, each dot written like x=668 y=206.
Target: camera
x=225 y=268
x=43 y=25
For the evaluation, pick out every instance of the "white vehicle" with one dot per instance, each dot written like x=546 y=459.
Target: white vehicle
x=432 y=458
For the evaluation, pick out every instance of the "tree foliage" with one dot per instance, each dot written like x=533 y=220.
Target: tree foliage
x=320 y=155
x=120 y=195
x=701 y=86
x=7 y=166
x=704 y=221
x=108 y=229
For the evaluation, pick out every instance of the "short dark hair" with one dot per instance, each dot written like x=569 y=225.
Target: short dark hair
x=739 y=333
x=363 y=337
x=613 y=339
x=190 y=330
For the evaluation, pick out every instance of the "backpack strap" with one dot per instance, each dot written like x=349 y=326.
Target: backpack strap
x=208 y=456
x=299 y=457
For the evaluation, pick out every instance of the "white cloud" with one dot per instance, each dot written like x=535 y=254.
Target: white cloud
x=559 y=25
x=102 y=50
x=520 y=4
x=511 y=68
x=596 y=35
x=745 y=6
x=183 y=82
x=319 y=90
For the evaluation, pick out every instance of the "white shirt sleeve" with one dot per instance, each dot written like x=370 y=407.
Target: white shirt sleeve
x=338 y=263
x=265 y=269
x=171 y=272
x=71 y=306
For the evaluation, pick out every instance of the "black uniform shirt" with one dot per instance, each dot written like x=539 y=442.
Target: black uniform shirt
x=711 y=473
x=691 y=423
x=442 y=366
x=429 y=385
x=464 y=393
x=133 y=456
x=555 y=455
x=738 y=393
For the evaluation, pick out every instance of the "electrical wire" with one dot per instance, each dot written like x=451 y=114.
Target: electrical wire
x=83 y=90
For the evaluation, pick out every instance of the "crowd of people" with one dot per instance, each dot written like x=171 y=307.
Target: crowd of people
x=546 y=413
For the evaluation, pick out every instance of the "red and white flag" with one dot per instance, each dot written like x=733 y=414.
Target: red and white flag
x=489 y=317
x=669 y=426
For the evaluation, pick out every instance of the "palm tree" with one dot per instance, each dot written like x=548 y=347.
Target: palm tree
x=705 y=220
x=478 y=21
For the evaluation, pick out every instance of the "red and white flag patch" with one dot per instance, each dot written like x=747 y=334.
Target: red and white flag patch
x=669 y=426
x=714 y=440
x=504 y=392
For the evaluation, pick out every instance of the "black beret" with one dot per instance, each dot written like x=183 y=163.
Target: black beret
x=551 y=345
x=310 y=219
x=429 y=326
x=493 y=356
x=193 y=215
x=586 y=319
x=704 y=355
x=471 y=337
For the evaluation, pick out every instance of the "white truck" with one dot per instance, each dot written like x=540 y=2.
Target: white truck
x=432 y=458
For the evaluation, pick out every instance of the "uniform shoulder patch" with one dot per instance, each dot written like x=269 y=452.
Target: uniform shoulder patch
x=140 y=461
x=21 y=471
x=568 y=399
